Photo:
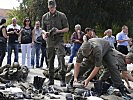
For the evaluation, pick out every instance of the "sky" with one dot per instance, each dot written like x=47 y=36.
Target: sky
x=9 y=4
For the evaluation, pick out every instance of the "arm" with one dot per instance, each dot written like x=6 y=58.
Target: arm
x=126 y=79
x=92 y=75
x=79 y=59
x=4 y=32
x=44 y=34
x=62 y=30
x=127 y=75
x=65 y=26
x=33 y=31
x=76 y=71
x=119 y=41
x=84 y=38
x=97 y=52
x=10 y=32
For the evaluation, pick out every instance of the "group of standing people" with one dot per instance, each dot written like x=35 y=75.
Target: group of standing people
x=30 y=44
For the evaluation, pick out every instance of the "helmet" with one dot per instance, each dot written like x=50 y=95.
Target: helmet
x=16 y=65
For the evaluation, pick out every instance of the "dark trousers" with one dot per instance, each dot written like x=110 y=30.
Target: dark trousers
x=123 y=49
x=43 y=49
x=51 y=52
x=12 y=46
x=2 y=52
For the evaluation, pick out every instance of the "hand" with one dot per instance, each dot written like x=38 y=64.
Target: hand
x=77 y=41
x=32 y=44
x=15 y=31
x=46 y=34
x=12 y=32
x=75 y=80
x=85 y=82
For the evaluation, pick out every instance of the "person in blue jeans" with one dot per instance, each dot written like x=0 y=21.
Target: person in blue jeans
x=37 y=44
x=43 y=49
x=77 y=39
x=13 y=33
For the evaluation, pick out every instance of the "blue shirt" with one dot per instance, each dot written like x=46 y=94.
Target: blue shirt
x=111 y=40
x=122 y=36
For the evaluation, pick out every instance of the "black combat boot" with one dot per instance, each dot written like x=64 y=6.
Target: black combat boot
x=35 y=81
x=51 y=80
x=62 y=81
x=123 y=91
x=98 y=87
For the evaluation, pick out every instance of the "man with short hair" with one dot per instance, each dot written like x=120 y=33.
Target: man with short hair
x=77 y=39
x=13 y=33
x=56 y=24
x=122 y=40
x=37 y=44
x=109 y=37
x=122 y=61
x=99 y=51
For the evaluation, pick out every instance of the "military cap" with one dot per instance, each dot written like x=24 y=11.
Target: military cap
x=130 y=55
x=51 y=3
x=86 y=48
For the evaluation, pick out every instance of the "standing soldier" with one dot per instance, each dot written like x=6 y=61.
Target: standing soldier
x=55 y=23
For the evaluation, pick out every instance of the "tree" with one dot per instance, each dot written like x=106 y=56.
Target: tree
x=99 y=14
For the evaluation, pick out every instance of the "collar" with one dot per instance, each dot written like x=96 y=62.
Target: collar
x=54 y=14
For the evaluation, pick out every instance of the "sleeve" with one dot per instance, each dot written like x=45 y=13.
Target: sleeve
x=104 y=37
x=73 y=37
x=7 y=28
x=98 y=57
x=64 y=21
x=80 y=57
x=84 y=38
x=114 y=40
x=44 y=27
x=118 y=37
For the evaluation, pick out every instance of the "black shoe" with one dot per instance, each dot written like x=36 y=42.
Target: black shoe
x=50 y=82
x=37 y=66
x=123 y=91
x=35 y=81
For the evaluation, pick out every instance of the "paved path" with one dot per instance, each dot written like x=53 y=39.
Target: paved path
x=39 y=72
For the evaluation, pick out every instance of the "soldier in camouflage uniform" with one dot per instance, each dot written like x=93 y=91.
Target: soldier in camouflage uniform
x=122 y=61
x=55 y=23
x=99 y=50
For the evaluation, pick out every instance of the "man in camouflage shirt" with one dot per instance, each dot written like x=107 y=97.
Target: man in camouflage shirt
x=56 y=24
x=122 y=61
x=100 y=51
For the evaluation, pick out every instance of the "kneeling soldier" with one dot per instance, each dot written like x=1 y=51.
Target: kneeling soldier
x=99 y=50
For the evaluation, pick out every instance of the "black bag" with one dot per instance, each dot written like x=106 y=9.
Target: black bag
x=39 y=39
x=2 y=40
